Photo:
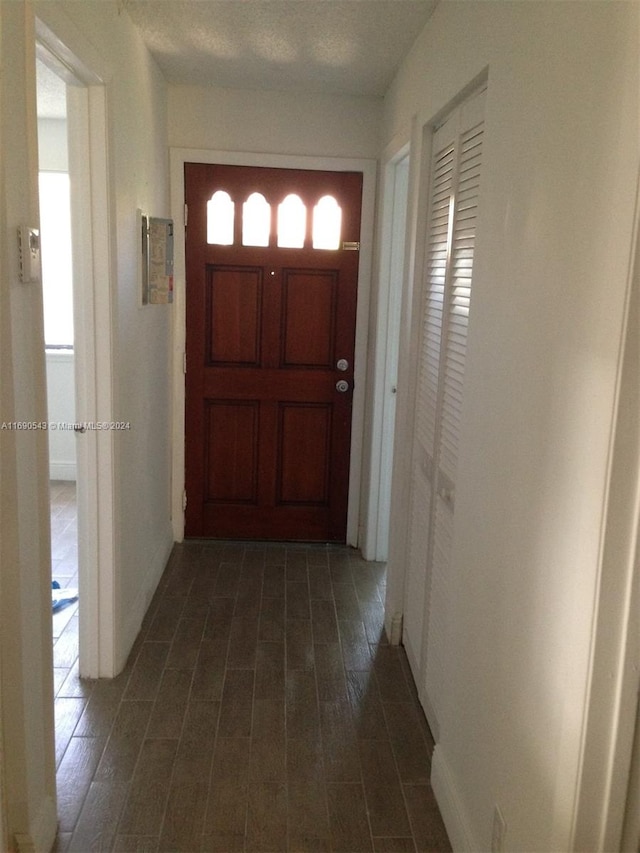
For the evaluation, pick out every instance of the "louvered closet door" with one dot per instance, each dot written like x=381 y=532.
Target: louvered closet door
x=423 y=469
x=450 y=242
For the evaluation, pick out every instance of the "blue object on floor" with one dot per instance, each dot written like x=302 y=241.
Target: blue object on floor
x=61 y=597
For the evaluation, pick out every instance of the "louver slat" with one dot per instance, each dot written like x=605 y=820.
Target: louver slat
x=436 y=265
x=462 y=251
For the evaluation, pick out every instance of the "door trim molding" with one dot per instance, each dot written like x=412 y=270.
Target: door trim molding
x=78 y=64
x=180 y=156
x=610 y=713
x=390 y=288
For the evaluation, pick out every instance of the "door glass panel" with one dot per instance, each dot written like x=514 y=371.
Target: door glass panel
x=292 y=223
x=327 y=221
x=220 y=216
x=256 y=221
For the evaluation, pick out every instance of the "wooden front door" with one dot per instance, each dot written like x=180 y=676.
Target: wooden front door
x=272 y=264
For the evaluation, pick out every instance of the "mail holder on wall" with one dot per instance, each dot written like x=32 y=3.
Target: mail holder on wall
x=156 y=259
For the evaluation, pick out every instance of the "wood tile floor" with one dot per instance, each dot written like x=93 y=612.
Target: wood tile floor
x=64 y=569
x=261 y=710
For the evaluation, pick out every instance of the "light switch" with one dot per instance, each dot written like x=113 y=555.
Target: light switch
x=29 y=251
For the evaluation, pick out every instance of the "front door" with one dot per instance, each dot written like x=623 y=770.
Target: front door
x=272 y=264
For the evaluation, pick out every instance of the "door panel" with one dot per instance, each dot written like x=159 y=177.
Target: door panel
x=309 y=294
x=304 y=433
x=231 y=439
x=268 y=433
x=234 y=298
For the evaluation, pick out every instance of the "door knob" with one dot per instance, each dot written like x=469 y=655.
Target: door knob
x=342 y=385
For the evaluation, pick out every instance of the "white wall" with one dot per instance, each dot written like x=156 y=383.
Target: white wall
x=53 y=155
x=273 y=122
x=138 y=177
x=7 y=464
x=61 y=410
x=552 y=259
x=309 y=129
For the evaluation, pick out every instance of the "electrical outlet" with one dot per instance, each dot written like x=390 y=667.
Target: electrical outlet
x=498 y=832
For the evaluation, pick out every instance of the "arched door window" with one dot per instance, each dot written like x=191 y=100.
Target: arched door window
x=292 y=223
x=256 y=221
x=220 y=217
x=327 y=222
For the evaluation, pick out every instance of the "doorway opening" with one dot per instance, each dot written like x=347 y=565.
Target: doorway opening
x=179 y=157
x=271 y=317
x=58 y=301
x=80 y=136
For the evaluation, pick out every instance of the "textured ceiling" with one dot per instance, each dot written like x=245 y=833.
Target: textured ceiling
x=52 y=97
x=334 y=46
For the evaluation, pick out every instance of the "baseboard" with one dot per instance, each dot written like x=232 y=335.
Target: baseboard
x=62 y=470
x=136 y=613
x=430 y=713
x=450 y=804
x=42 y=834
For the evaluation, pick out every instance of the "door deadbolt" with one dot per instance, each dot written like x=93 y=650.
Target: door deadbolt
x=342 y=364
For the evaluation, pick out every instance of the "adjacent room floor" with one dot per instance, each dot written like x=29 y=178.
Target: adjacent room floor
x=261 y=710
x=64 y=570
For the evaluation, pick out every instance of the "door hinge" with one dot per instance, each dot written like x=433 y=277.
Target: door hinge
x=351 y=247
x=184 y=363
x=184 y=500
x=186 y=214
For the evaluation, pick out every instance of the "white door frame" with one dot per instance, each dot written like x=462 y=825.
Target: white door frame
x=631 y=829
x=92 y=264
x=603 y=793
x=418 y=179
x=180 y=156
x=382 y=407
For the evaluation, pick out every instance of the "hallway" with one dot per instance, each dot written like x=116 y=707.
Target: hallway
x=261 y=710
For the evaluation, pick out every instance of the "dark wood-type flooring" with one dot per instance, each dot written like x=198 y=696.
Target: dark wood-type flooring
x=261 y=709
